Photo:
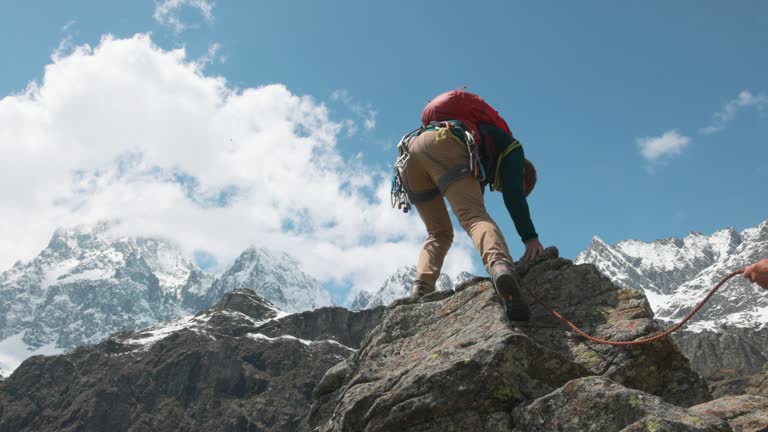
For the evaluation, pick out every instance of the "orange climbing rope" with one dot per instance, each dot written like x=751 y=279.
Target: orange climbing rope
x=638 y=341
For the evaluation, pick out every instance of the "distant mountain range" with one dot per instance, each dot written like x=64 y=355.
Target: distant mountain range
x=676 y=274
x=727 y=337
x=86 y=285
x=398 y=285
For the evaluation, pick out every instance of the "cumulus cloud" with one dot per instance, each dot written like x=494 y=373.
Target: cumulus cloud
x=745 y=99
x=671 y=143
x=128 y=131
x=167 y=12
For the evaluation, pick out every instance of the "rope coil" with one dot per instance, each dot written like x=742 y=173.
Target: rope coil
x=642 y=341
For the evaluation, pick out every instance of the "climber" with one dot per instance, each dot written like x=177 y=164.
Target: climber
x=462 y=146
x=758 y=273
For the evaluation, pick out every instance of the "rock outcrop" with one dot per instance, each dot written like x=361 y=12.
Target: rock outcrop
x=235 y=367
x=599 y=404
x=744 y=413
x=734 y=351
x=449 y=361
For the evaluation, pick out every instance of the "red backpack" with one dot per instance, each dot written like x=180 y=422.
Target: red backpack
x=466 y=107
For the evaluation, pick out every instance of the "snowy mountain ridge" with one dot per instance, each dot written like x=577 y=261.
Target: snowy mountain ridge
x=676 y=274
x=398 y=285
x=272 y=275
x=87 y=284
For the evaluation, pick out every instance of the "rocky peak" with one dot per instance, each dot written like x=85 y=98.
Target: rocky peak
x=276 y=276
x=246 y=302
x=361 y=300
x=724 y=243
x=757 y=234
x=66 y=241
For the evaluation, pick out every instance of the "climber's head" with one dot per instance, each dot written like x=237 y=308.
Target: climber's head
x=529 y=177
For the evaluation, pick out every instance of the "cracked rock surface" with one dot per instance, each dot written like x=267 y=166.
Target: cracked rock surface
x=598 y=404
x=745 y=413
x=450 y=361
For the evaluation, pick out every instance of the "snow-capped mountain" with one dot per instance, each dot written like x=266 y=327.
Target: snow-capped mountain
x=275 y=277
x=677 y=273
x=87 y=284
x=398 y=285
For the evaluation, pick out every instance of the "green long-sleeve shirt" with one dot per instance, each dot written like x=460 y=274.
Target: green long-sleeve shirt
x=511 y=180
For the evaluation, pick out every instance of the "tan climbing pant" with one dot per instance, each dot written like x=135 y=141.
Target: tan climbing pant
x=437 y=168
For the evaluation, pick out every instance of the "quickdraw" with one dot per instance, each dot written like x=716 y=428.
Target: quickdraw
x=475 y=166
x=399 y=192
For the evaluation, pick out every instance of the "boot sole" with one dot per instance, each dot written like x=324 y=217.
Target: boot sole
x=508 y=291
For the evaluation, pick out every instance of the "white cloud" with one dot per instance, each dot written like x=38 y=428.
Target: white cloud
x=167 y=12
x=669 y=144
x=745 y=99
x=129 y=131
x=68 y=25
x=364 y=112
x=211 y=56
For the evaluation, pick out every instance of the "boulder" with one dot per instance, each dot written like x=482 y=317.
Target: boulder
x=745 y=413
x=598 y=404
x=450 y=361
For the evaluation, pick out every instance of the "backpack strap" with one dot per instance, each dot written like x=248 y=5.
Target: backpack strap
x=497 y=175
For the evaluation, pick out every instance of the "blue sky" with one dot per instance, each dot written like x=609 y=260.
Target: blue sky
x=581 y=84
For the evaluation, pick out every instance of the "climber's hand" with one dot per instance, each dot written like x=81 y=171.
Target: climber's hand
x=758 y=273
x=533 y=250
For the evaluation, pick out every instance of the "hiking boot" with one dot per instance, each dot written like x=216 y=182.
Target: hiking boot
x=507 y=285
x=420 y=289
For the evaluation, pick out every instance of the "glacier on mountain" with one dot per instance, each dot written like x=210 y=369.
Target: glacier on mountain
x=676 y=274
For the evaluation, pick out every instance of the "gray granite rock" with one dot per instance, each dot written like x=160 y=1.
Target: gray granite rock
x=450 y=361
x=745 y=413
x=599 y=404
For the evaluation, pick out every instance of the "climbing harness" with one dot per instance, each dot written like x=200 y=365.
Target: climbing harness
x=655 y=338
x=455 y=131
x=452 y=130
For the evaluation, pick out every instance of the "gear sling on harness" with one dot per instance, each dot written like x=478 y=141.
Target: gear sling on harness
x=453 y=130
